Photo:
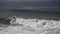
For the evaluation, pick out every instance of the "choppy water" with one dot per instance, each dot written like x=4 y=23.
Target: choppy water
x=31 y=23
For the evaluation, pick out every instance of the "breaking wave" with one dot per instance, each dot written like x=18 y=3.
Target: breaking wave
x=30 y=22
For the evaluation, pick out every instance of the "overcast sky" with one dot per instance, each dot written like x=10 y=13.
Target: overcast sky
x=32 y=0
x=30 y=3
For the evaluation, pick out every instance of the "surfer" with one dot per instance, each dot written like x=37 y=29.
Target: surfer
x=13 y=19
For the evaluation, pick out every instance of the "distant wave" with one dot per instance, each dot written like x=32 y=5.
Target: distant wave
x=42 y=10
x=38 y=11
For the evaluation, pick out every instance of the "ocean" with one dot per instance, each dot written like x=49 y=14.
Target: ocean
x=31 y=22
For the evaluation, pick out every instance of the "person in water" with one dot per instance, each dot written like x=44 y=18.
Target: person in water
x=13 y=19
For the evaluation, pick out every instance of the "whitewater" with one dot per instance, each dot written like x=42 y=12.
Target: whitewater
x=28 y=23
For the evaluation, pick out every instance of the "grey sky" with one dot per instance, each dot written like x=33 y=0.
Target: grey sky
x=31 y=0
x=29 y=3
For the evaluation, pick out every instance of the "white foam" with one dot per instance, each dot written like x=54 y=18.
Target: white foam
x=34 y=26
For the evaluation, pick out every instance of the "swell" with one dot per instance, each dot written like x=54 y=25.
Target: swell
x=30 y=14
